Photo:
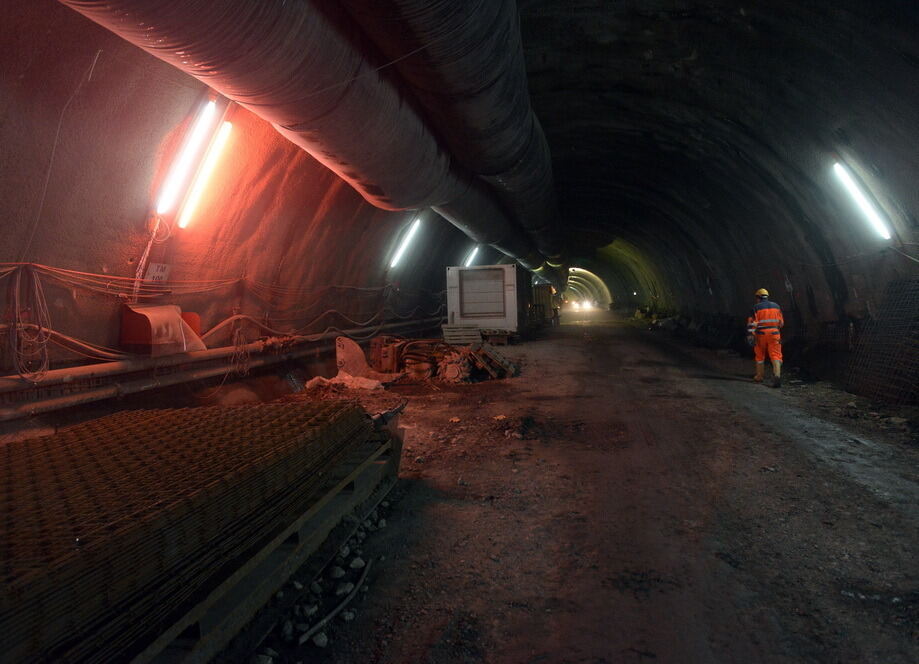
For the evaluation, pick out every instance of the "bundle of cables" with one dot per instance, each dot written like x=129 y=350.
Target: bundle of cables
x=29 y=327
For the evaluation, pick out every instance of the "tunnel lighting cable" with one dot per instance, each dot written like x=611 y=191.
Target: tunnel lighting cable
x=903 y=253
x=204 y=175
x=861 y=200
x=471 y=256
x=57 y=135
x=405 y=242
x=118 y=286
x=182 y=166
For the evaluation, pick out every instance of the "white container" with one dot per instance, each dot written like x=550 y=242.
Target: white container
x=489 y=297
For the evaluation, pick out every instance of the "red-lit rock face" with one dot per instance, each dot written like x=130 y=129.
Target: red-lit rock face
x=270 y=213
x=691 y=145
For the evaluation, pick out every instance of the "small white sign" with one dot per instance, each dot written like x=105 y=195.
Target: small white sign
x=157 y=272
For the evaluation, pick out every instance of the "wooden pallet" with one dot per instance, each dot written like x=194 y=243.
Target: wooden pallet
x=497 y=337
x=510 y=369
x=461 y=335
x=207 y=628
x=488 y=358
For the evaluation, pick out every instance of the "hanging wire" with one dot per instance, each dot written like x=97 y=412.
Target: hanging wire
x=903 y=253
x=30 y=332
x=57 y=134
x=858 y=257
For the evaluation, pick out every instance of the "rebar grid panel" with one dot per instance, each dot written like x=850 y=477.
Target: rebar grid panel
x=110 y=526
x=885 y=366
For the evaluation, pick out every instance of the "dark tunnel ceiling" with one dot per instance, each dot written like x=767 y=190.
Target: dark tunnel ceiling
x=687 y=126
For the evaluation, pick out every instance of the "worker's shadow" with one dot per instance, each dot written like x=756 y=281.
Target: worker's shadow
x=730 y=379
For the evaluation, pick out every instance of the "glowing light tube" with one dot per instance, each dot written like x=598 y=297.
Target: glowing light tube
x=861 y=200
x=210 y=161
x=471 y=257
x=182 y=166
x=405 y=242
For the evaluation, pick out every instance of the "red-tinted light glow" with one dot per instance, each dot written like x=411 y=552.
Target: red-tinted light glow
x=178 y=176
x=210 y=161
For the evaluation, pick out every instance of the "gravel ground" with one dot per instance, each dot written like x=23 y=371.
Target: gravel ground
x=631 y=499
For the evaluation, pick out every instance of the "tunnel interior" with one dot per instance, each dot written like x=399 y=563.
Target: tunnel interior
x=284 y=173
x=693 y=151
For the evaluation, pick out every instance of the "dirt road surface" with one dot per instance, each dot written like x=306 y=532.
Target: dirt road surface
x=631 y=499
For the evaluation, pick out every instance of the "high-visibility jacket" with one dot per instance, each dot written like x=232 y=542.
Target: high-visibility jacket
x=765 y=317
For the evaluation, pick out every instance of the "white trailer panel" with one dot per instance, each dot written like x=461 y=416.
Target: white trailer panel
x=487 y=296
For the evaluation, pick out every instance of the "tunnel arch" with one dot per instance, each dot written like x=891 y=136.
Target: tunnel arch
x=691 y=153
x=693 y=140
x=592 y=284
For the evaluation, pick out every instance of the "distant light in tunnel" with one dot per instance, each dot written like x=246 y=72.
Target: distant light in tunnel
x=471 y=256
x=405 y=242
x=861 y=200
x=586 y=305
x=182 y=166
x=207 y=169
x=575 y=306
x=634 y=292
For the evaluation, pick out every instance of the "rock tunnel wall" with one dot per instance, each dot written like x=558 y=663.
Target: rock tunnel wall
x=101 y=121
x=694 y=142
x=692 y=146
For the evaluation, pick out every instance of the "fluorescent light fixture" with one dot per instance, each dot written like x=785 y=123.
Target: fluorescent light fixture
x=405 y=242
x=471 y=256
x=182 y=167
x=861 y=200
x=207 y=168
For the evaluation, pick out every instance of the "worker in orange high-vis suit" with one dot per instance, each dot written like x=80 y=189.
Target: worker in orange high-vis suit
x=764 y=326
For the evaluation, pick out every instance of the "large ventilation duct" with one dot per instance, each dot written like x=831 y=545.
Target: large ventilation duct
x=478 y=203
x=297 y=67
x=464 y=62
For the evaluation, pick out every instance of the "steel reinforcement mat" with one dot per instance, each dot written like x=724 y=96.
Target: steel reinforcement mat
x=110 y=527
x=885 y=365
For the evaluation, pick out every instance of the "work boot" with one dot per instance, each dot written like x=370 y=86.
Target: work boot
x=760 y=371
x=776 y=373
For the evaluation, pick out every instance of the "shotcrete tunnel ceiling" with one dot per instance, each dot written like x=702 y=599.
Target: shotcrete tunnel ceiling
x=312 y=69
x=695 y=141
x=693 y=144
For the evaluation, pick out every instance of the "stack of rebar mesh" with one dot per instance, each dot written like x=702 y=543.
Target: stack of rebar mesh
x=885 y=364
x=110 y=528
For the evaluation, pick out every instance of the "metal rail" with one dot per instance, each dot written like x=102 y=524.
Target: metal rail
x=68 y=377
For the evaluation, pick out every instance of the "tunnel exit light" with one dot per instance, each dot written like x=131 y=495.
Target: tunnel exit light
x=182 y=167
x=471 y=256
x=207 y=169
x=861 y=200
x=407 y=240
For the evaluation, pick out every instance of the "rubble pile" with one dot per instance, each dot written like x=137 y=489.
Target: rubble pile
x=326 y=602
x=395 y=359
x=467 y=363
